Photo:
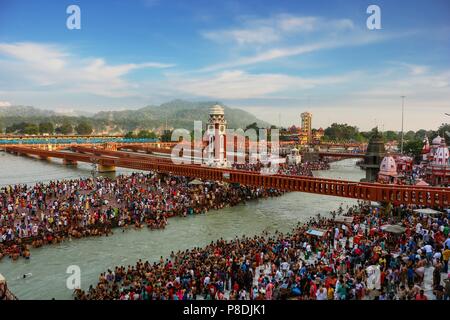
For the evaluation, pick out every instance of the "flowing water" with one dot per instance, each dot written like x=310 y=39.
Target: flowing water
x=46 y=270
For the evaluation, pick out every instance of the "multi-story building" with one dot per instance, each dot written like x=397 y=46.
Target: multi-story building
x=307 y=126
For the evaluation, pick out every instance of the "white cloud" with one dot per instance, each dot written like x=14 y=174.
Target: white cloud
x=418 y=84
x=285 y=35
x=50 y=65
x=275 y=28
x=237 y=84
x=290 y=51
x=258 y=35
x=418 y=70
x=5 y=104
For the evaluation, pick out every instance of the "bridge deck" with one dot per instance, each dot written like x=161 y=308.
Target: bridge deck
x=419 y=195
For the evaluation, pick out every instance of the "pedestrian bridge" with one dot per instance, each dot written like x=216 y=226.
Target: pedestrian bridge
x=438 y=197
x=8 y=141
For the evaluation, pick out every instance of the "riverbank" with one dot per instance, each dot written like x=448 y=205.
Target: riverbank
x=47 y=266
x=49 y=213
x=350 y=258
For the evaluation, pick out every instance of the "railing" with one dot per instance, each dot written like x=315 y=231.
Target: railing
x=418 y=195
x=72 y=140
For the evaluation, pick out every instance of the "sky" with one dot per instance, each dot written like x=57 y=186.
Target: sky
x=275 y=59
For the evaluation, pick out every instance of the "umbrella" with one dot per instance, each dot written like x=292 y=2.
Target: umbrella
x=427 y=211
x=316 y=232
x=343 y=219
x=195 y=182
x=393 y=228
x=421 y=183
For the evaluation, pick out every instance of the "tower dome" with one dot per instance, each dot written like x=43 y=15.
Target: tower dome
x=437 y=141
x=216 y=110
x=388 y=166
x=216 y=130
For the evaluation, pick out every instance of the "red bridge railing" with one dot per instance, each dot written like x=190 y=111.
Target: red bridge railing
x=398 y=194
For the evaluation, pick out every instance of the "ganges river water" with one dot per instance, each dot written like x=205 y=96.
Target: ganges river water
x=46 y=270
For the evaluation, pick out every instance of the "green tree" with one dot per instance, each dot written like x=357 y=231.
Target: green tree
x=65 y=128
x=443 y=129
x=46 y=127
x=420 y=134
x=390 y=135
x=23 y=128
x=409 y=136
x=130 y=135
x=413 y=147
x=341 y=132
x=31 y=129
x=145 y=134
x=84 y=128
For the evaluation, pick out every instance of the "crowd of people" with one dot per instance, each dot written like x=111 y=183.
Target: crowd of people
x=301 y=169
x=48 y=213
x=340 y=257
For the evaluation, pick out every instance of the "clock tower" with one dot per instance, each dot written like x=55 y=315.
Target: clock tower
x=216 y=130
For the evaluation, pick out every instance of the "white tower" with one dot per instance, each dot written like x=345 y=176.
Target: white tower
x=217 y=126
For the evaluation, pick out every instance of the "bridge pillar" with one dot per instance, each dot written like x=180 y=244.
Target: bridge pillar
x=103 y=168
x=69 y=162
x=310 y=156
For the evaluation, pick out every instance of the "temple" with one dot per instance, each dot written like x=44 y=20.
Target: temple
x=436 y=162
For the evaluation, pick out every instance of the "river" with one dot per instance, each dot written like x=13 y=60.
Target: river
x=48 y=265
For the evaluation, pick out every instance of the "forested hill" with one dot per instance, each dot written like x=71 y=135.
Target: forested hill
x=174 y=114
x=177 y=114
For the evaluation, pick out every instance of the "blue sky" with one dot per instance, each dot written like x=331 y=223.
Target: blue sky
x=275 y=59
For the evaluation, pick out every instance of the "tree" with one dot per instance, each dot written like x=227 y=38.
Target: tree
x=443 y=129
x=342 y=132
x=390 y=135
x=46 y=127
x=31 y=129
x=23 y=128
x=410 y=135
x=84 y=128
x=413 y=147
x=420 y=134
x=129 y=135
x=145 y=134
x=65 y=128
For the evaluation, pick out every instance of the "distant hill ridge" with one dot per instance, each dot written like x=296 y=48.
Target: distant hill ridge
x=179 y=114
x=176 y=114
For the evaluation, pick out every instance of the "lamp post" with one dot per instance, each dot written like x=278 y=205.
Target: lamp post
x=403 y=116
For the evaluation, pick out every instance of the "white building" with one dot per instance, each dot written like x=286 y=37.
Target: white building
x=216 y=131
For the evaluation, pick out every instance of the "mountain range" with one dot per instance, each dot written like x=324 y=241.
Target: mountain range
x=173 y=114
